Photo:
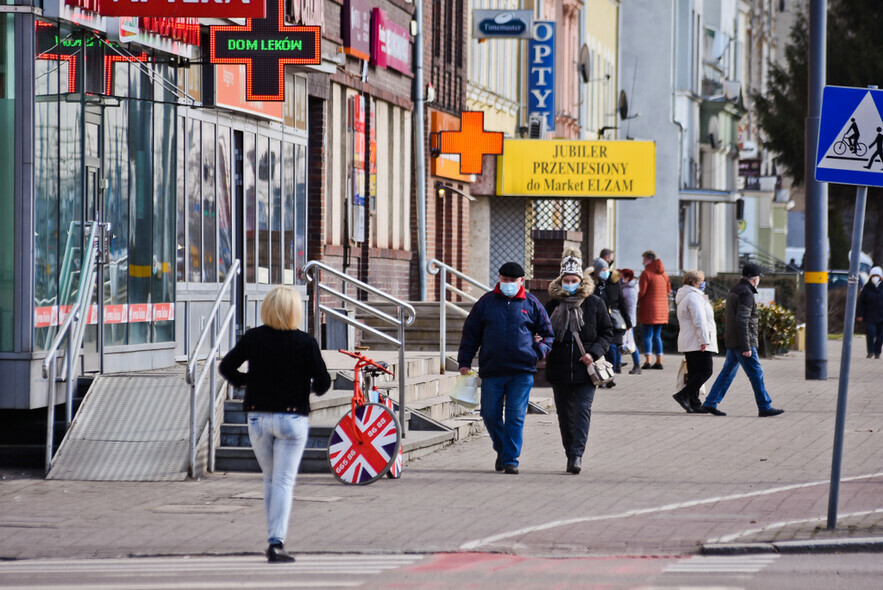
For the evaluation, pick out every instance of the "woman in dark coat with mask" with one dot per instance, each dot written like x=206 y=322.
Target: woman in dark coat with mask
x=574 y=308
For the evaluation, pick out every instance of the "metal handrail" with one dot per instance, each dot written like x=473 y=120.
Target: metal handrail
x=440 y=268
x=772 y=257
x=73 y=328
x=213 y=330
x=311 y=273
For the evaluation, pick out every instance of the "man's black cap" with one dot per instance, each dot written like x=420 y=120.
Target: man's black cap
x=512 y=270
x=752 y=270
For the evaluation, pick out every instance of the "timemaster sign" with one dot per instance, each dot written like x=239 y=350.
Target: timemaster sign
x=264 y=46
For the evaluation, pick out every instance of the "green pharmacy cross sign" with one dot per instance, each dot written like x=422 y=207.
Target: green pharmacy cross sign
x=264 y=46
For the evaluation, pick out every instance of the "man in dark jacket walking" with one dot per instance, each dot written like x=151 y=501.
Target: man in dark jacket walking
x=501 y=327
x=741 y=342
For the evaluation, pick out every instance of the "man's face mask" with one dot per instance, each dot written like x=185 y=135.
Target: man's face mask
x=509 y=289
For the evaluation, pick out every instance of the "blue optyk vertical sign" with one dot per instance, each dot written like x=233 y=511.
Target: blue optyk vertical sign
x=541 y=68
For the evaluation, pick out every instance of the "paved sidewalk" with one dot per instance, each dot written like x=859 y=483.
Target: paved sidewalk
x=655 y=481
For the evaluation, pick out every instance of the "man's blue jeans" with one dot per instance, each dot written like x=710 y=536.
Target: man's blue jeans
x=278 y=441
x=753 y=370
x=506 y=396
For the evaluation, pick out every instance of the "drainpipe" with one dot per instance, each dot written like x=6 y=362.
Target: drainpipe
x=420 y=150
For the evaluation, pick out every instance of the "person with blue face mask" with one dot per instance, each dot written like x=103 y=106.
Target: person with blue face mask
x=575 y=312
x=510 y=331
x=609 y=289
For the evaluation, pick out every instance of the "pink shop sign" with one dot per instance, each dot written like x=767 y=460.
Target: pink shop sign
x=390 y=44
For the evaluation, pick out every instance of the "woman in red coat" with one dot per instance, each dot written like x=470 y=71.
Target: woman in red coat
x=653 y=290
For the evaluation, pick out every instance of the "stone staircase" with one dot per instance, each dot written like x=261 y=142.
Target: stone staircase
x=433 y=420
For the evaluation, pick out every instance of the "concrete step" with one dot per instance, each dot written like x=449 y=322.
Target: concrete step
x=417 y=443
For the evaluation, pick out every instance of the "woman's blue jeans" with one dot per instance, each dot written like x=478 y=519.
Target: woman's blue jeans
x=652 y=338
x=753 y=370
x=506 y=397
x=278 y=441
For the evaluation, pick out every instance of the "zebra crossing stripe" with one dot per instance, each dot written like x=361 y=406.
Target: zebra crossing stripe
x=743 y=564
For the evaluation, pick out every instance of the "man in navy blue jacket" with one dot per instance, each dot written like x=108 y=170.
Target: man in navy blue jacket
x=501 y=327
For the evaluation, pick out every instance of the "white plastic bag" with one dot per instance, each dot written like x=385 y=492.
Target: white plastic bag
x=682 y=377
x=465 y=391
x=628 y=342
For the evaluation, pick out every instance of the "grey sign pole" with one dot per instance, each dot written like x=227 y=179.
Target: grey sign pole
x=816 y=257
x=861 y=199
x=858 y=229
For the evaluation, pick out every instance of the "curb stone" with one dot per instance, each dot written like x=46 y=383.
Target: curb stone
x=860 y=545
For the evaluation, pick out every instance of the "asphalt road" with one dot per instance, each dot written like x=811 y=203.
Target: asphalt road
x=454 y=571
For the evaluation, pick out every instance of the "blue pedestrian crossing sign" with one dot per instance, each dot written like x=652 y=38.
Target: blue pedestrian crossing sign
x=850 y=148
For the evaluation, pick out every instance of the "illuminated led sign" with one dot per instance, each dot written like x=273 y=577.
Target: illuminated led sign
x=264 y=46
x=471 y=142
x=181 y=8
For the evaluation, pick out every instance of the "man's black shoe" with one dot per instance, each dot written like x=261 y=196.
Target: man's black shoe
x=276 y=554
x=511 y=469
x=657 y=366
x=709 y=410
x=498 y=464
x=569 y=467
x=770 y=412
x=682 y=402
x=577 y=465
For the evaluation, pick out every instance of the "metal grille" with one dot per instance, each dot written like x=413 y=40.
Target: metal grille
x=562 y=214
x=509 y=235
x=513 y=220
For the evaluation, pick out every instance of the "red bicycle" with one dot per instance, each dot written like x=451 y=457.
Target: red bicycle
x=366 y=444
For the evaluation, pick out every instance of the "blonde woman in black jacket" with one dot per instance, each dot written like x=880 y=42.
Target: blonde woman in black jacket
x=284 y=364
x=574 y=308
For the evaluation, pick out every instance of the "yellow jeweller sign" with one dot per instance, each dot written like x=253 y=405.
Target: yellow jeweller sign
x=573 y=168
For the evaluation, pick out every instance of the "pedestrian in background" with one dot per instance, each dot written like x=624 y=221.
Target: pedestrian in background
x=284 y=364
x=501 y=328
x=870 y=310
x=653 y=291
x=697 y=338
x=630 y=292
x=740 y=338
x=575 y=312
x=608 y=256
x=610 y=291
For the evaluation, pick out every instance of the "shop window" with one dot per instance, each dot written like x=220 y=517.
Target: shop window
x=225 y=188
x=263 y=209
x=249 y=176
x=165 y=189
x=181 y=209
x=276 y=211
x=194 y=201
x=7 y=171
x=300 y=245
x=288 y=218
x=209 y=213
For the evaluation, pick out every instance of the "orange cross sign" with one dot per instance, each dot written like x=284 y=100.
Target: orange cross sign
x=471 y=142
